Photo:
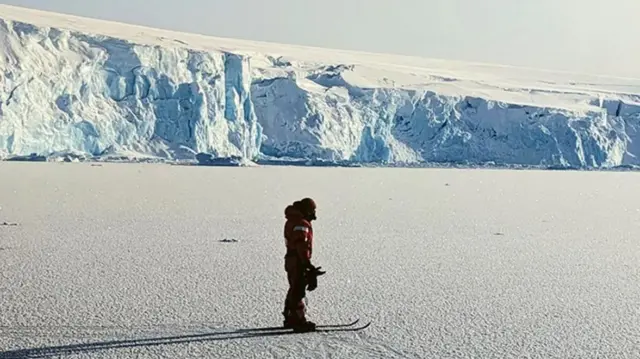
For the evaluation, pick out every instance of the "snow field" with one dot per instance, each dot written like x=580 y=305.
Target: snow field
x=447 y=263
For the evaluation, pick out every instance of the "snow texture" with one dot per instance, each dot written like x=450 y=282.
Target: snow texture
x=104 y=89
x=446 y=263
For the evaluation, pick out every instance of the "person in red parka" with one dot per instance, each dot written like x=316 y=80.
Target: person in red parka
x=298 y=234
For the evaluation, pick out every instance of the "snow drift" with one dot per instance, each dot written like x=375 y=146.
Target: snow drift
x=97 y=88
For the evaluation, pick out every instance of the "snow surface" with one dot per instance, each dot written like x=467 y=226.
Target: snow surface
x=446 y=263
x=98 y=88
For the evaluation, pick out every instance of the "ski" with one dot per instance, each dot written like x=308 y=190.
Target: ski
x=321 y=326
x=342 y=329
x=327 y=326
x=319 y=329
x=283 y=332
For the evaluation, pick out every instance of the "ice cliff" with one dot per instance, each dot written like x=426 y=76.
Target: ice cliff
x=73 y=85
x=70 y=92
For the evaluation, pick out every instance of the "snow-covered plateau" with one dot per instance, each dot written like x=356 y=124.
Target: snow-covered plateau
x=96 y=89
x=152 y=261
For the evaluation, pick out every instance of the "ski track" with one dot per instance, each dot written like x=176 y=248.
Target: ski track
x=131 y=252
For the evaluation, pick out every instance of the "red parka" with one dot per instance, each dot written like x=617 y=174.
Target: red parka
x=298 y=234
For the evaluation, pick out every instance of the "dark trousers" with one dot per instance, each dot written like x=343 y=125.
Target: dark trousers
x=294 y=308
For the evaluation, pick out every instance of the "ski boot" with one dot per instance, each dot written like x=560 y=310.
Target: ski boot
x=299 y=325
x=288 y=321
x=305 y=326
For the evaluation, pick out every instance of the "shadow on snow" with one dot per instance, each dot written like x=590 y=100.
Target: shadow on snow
x=45 y=352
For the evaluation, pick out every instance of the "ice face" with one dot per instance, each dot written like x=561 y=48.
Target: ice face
x=95 y=88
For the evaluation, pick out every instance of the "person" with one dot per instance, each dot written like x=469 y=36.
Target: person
x=301 y=274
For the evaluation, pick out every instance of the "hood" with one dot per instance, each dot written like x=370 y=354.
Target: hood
x=292 y=212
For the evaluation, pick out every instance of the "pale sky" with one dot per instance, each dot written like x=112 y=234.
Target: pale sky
x=593 y=36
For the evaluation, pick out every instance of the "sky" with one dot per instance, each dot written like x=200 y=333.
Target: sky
x=588 y=36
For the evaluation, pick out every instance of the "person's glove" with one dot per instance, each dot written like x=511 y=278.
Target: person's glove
x=312 y=277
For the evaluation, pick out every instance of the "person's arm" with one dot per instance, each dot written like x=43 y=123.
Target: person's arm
x=302 y=239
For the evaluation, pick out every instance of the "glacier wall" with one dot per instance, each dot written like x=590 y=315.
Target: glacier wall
x=69 y=92
x=391 y=125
